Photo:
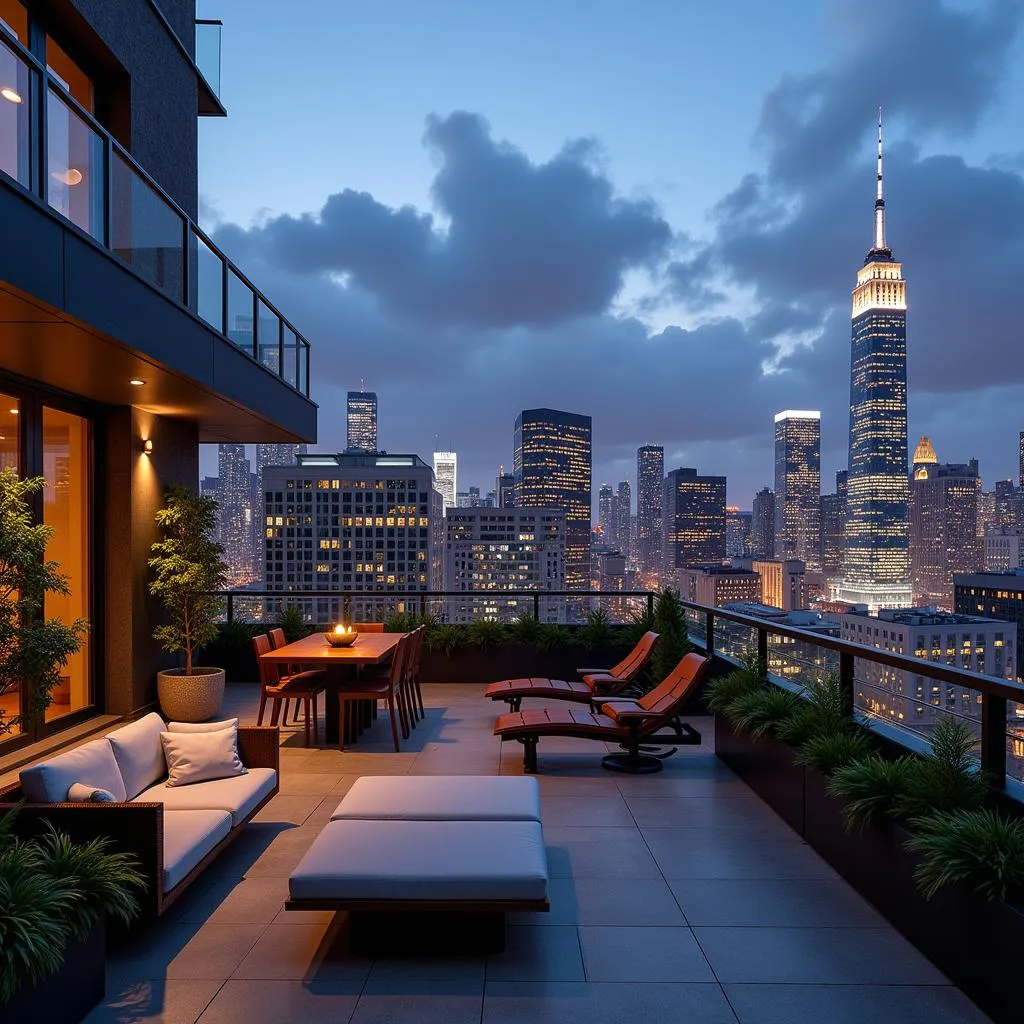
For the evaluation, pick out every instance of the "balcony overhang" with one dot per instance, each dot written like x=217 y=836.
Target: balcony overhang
x=76 y=319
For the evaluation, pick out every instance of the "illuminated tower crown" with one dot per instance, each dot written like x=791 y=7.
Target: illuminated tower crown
x=924 y=452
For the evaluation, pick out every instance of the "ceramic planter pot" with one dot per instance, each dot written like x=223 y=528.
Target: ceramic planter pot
x=194 y=698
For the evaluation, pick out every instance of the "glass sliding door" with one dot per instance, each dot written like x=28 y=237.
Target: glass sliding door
x=66 y=507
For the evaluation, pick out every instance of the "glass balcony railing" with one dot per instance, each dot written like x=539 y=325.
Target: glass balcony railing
x=87 y=178
x=208 y=52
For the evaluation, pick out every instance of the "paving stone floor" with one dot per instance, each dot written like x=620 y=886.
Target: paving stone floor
x=675 y=897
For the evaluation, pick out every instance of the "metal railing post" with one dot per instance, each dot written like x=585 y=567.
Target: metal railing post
x=346 y=608
x=650 y=604
x=846 y=675
x=709 y=633
x=536 y=606
x=231 y=606
x=993 y=739
x=423 y=605
x=762 y=650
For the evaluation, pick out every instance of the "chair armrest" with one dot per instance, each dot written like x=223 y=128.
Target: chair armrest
x=592 y=671
x=626 y=714
x=259 y=746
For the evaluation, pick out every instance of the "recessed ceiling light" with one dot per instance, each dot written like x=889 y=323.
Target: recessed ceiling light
x=136 y=382
x=11 y=95
x=13 y=412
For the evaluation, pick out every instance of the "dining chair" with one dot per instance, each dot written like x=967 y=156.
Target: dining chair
x=377 y=688
x=302 y=687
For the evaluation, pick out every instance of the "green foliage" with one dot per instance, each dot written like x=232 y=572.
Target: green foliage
x=872 y=787
x=33 y=649
x=748 y=678
x=446 y=638
x=551 y=636
x=975 y=848
x=827 y=708
x=52 y=891
x=485 y=633
x=597 y=631
x=827 y=752
x=187 y=565
x=947 y=779
x=400 y=622
x=761 y=712
x=524 y=629
x=639 y=623
x=673 y=638
x=293 y=622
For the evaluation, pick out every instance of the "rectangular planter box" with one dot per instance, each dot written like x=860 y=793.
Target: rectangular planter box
x=68 y=996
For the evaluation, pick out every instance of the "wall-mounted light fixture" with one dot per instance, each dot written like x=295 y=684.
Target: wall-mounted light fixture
x=147 y=447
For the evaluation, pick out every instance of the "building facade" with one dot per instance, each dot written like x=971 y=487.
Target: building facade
x=994 y=595
x=361 y=421
x=1004 y=549
x=783 y=583
x=693 y=513
x=117 y=352
x=650 y=478
x=363 y=523
x=623 y=517
x=833 y=528
x=737 y=532
x=552 y=468
x=607 y=515
x=972 y=642
x=494 y=550
x=446 y=472
x=504 y=490
x=876 y=562
x=943 y=526
x=798 y=486
x=718 y=585
x=762 y=525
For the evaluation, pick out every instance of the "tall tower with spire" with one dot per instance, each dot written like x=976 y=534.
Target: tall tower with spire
x=876 y=563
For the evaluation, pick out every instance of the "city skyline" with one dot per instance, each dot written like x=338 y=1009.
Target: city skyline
x=631 y=303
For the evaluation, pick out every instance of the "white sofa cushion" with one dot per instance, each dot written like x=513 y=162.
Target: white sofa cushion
x=424 y=860
x=237 y=795
x=138 y=752
x=188 y=837
x=91 y=764
x=441 y=798
x=228 y=723
x=201 y=756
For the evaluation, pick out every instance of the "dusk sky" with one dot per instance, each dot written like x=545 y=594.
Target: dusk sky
x=652 y=213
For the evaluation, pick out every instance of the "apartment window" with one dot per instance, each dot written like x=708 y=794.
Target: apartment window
x=14 y=113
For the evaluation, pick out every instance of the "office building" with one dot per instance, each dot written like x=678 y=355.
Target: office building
x=352 y=522
x=876 y=563
x=783 y=583
x=693 y=513
x=551 y=466
x=715 y=586
x=650 y=478
x=504 y=490
x=117 y=354
x=237 y=514
x=267 y=455
x=943 y=526
x=623 y=517
x=446 y=469
x=1004 y=549
x=833 y=528
x=972 y=642
x=737 y=532
x=612 y=576
x=1020 y=471
x=798 y=486
x=762 y=524
x=607 y=516
x=361 y=418
x=496 y=550
x=995 y=595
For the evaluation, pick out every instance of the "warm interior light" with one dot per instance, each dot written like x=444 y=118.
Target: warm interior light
x=147 y=446
x=72 y=176
x=13 y=412
x=136 y=382
x=11 y=95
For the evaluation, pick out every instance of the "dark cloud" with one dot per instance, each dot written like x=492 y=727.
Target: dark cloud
x=518 y=242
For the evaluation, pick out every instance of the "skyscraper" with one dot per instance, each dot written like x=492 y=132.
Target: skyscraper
x=268 y=455
x=943 y=526
x=362 y=421
x=606 y=515
x=236 y=515
x=876 y=566
x=833 y=527
x=504 y=489
x=1020 y=478
x=650 y=480
x=446 y=466
x=693 y=523
x=551 y=466
x=762 y=528
x=798 y=486
x=623 y=507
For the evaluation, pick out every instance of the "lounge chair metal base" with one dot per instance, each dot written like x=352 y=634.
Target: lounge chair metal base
x=632 y=764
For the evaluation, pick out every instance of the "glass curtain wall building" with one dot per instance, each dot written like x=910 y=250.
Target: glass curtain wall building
x=361 y=421
x=876 y=564
x=552 y=469
x=650 y=479
x=798 y=486
x=694 y=523
x=446 y=467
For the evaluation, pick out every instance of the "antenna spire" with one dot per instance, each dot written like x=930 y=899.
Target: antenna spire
x=879 y=201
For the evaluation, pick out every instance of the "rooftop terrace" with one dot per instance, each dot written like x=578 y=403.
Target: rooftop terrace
x=678 y=896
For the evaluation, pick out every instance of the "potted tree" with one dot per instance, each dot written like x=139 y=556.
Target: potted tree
x=188 y=566
x=33 y=648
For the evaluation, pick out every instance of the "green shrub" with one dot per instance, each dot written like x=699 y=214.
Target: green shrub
x=551 y=636
x=400 y=622
x=872 y=787
x=761 y=712
x=826 y=709
x=749 y=677
x=673 y=641
x=486 y=633
x=976 y=848
x=639 y=623
x=947 y=779
x=292 y=621
x=447 y=638
x=828 y=752
x=597 y=631
x=524 y=629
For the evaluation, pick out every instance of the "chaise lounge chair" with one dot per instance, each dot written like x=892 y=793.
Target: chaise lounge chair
x=625 y=722
x=596 y=683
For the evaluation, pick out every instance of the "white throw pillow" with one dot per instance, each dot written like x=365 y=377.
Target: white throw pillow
x=82 y=794
x=138 y=752
x=230 y=723
x=201 y=756
x=92 y=764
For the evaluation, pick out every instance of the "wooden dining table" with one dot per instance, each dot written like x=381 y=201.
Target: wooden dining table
x=338 y=664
